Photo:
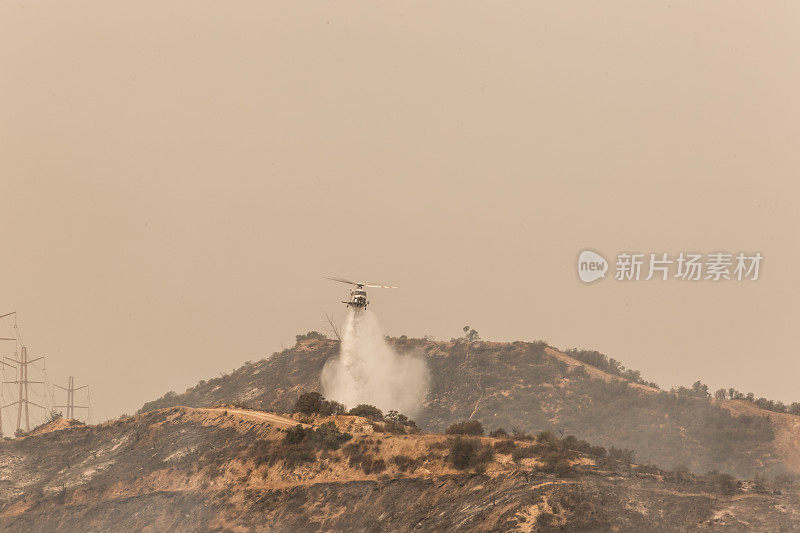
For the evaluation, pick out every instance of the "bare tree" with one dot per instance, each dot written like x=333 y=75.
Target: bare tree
x=333 y=327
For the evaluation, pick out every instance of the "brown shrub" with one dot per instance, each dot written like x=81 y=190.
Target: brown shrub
x=505 y=446
x=468 y=427
x=469 y=453
x=404 y=463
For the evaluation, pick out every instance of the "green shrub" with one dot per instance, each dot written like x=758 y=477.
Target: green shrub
x=367 y=411
x=311 y=335
x=311 y=403
x=606 y=364
x=296 y=435
x=400 y=418
x=469 y=453
x=294 y=448
x=299 y=445
x=468 y=427
x=328 y=436
x=556 y=462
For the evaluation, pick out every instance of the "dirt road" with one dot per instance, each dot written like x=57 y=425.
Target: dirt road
x=270 y=418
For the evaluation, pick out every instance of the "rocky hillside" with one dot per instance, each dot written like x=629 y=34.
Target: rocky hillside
x=229 y=469
x=534 y=387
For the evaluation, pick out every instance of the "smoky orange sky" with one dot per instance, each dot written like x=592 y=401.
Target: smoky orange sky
x=177 y=177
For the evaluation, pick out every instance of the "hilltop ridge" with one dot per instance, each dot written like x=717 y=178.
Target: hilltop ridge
x=536 y=387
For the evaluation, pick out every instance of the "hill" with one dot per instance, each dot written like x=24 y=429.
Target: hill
x=231 y=469
x=535 y=387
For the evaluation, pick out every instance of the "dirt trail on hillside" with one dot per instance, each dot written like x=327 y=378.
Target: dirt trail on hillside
x=785 y=426
x=223 y=468
x=596 y=372
x=273 y=419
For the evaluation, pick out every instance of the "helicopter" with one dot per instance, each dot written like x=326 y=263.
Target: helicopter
x=358 y=296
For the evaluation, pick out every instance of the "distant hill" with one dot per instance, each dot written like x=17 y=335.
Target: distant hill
x=534 y=387
x=228 y=469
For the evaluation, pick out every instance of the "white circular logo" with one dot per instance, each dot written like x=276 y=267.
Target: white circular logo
x=591 y=266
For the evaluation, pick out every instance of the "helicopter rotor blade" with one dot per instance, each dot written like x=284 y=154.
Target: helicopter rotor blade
x=342 y=280
x=356 y=283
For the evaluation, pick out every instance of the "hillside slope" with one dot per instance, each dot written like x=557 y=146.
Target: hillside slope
x=231 y=469
x=535 y=387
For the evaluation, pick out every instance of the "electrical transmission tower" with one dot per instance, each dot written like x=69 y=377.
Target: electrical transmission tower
x=70 y=407
x=7 y=364
x=23 y=403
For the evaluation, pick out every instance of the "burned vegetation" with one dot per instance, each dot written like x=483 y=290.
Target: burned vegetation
x=226 y=468
x=530 y=386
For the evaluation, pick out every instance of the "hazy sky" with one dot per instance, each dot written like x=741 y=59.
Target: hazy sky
x=176 y=177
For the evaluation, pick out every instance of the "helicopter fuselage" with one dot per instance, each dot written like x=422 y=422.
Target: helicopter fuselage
x=358 y=299
x=358 y=296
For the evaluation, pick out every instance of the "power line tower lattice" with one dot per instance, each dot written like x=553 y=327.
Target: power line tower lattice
x=23 y=403
x=70 y=389
x=22 y=383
